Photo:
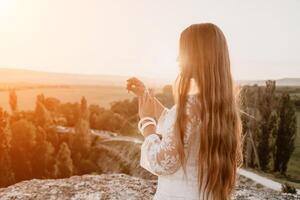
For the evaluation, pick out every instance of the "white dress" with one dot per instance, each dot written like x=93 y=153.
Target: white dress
x=160 y=157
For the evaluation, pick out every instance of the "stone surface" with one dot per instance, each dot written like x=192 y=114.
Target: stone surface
x=114 y=186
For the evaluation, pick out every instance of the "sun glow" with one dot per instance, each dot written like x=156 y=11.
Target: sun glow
x=6 y=8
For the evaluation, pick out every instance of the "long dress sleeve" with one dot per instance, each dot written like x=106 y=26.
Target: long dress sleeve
x=159 y=156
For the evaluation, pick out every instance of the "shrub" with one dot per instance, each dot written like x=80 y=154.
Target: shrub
x=287 y=188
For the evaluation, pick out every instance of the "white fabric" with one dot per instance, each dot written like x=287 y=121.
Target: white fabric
x=160 y=157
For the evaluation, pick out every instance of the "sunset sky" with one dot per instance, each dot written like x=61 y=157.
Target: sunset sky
x=140 y=37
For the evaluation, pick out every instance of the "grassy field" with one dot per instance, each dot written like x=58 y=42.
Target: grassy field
x=294 y=164
x=101 y=95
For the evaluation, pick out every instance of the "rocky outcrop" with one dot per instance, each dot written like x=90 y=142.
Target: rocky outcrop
x=114 y=186
x=87 y=187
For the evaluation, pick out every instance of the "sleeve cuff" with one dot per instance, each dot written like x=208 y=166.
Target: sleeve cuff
x=144 y=162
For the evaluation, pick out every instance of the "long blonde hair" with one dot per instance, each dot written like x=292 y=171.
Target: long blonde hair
x=204 y=57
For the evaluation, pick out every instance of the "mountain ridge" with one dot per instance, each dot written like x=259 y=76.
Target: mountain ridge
x=57 y=78
x=43 y=77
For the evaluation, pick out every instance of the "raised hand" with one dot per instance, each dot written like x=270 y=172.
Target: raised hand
x=136 y=86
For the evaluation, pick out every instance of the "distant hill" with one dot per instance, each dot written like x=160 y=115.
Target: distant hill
x=281 y=82
x=22 y=76
x=289 y=81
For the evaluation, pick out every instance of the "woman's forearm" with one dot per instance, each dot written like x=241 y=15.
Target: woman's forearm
x=151 y=129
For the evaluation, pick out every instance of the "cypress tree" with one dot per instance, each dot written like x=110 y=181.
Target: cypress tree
x=64 y=164
x=286 y=133
x=7 y=176
x=267 y=125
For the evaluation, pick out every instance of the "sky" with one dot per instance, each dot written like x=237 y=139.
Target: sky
x=140 y=37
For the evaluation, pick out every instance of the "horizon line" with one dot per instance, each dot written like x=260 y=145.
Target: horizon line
x=161 y=79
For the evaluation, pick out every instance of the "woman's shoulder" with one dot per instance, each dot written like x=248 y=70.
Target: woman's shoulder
x=191 y=99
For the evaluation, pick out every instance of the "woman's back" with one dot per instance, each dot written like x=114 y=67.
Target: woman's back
x=213 y=115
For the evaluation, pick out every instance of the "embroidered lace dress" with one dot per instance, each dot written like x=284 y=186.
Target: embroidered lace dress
x=159 y=156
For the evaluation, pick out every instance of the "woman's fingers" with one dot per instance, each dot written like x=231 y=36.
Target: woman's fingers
x=135 y=81
x=138 y=90
x=133 y=85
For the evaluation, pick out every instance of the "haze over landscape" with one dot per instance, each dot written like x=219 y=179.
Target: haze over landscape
x=141 y=37
x=19 y=77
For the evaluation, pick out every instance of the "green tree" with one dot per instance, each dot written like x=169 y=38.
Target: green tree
x=267 y=125
x=71 y=112
x=285 y=142
x=122 y=117
x=23 y=134
x=126 y=108
x=64 y=164
x=7 y=176
x=52 y=104
x=13 y=100
x=82 y=140
x=250 y=120
x=166 y=97
x=42 y=159
x=84 y=111
x=42 y=115
x=108 y=121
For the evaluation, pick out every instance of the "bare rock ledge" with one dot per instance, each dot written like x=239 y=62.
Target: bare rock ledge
x=114 y=186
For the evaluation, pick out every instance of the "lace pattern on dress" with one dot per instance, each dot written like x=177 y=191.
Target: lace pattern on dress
x=159 y=156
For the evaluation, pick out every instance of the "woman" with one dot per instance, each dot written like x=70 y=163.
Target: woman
x=195 y=147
